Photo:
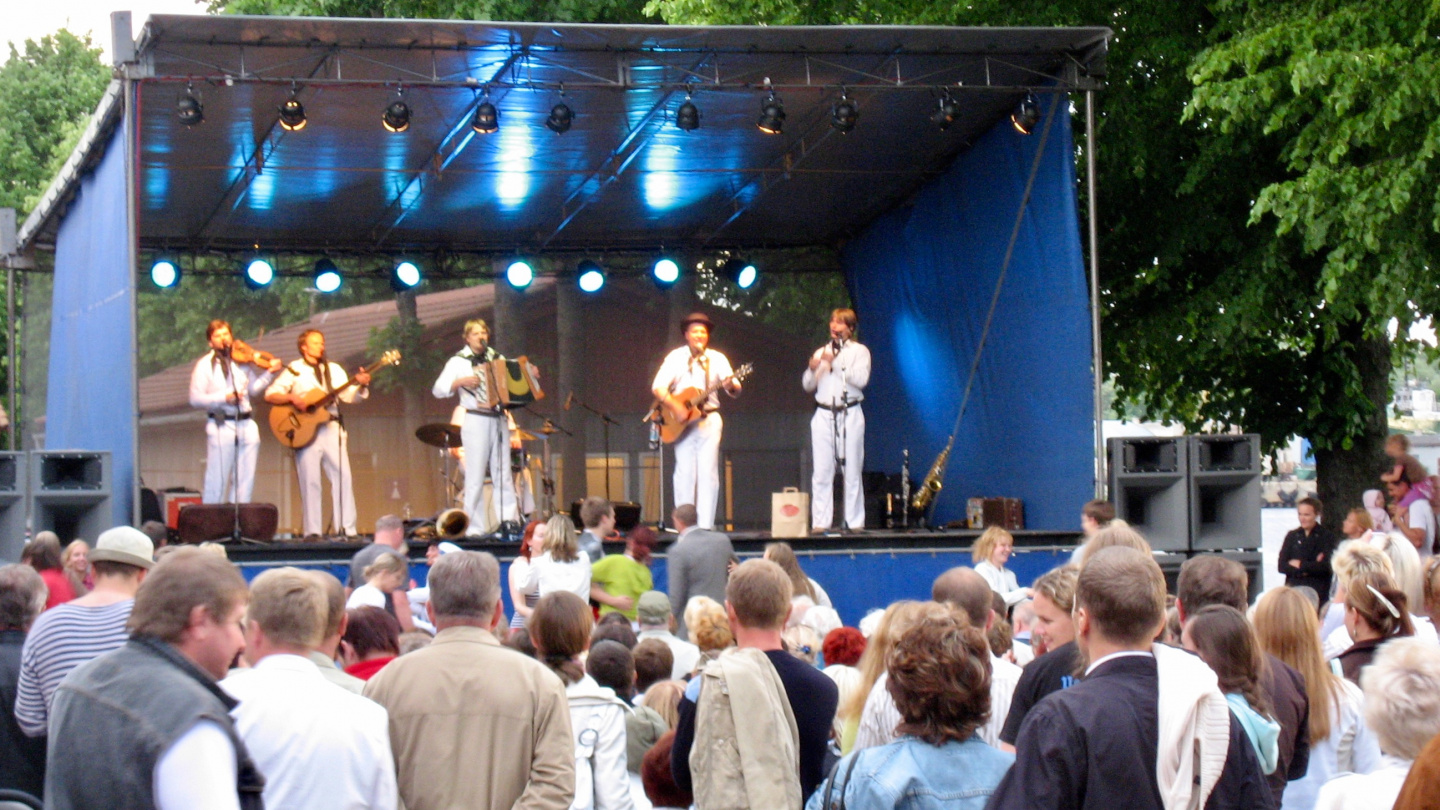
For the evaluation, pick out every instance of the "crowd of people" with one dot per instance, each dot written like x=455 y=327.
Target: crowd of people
x=160 y=678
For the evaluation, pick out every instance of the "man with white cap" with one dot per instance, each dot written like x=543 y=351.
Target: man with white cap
x=68 y=635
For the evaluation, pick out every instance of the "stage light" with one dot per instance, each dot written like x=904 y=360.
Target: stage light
x=188 y=109
x=591 y=275
x=1026 y=116
x=665 y=272
x=945 y=113
x=257 y=271
x=487 y=118
x=396 y=117
x=772 y=116
x=519 y=274
x=327 y=276
x=688 y=116
x=844 y=115
x=405 y=275
x=742 y=273
x=561 y=117
x=292 y=112
x=165 y=272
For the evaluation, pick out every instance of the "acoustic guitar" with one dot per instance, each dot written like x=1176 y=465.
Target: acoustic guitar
x=675 y=421
x=296 y=427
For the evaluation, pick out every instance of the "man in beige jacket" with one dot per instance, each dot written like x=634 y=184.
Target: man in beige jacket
x=474 y=724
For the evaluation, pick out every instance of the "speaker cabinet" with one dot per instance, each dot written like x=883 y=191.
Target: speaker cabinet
x=70 y=493
x=1149 y=487
x=203 y=522
x=14 y=485
x=1225 y=492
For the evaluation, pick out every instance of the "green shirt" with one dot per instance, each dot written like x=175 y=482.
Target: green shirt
x=619 y=575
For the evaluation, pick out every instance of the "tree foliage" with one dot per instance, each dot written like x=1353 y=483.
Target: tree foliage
x=600 y=11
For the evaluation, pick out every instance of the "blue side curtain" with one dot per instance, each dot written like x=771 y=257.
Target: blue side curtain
x=91 y=403
x=922 y=278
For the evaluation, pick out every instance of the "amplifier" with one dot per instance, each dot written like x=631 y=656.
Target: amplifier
x=1007 y=513
x=202 y=522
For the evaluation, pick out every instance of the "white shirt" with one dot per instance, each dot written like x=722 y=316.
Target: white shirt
x=686 y=655
x=458 y=367
x=319 y=746
x=1422 y=515
x=553 y=576
x=300 y=378
x=681 y=370
x=197 y=771
x=366 y=596
x=210 y=385
x=1350 y=748
x=844 y=381
x=1339 y=639
x=1373 y=790
x=1002 y=581
x=880 y=717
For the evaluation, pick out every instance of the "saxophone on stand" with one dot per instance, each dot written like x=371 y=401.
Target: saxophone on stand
x=930 y=487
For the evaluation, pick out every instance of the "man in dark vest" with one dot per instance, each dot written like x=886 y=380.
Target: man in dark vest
x=145 y=725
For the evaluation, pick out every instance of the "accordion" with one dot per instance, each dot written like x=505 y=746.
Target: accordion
x=510 y=383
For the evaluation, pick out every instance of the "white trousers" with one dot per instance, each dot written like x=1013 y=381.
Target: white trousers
x=221 y=474
x=325 y=454
x=487 y=447
x=824 y=427
x=697 y=468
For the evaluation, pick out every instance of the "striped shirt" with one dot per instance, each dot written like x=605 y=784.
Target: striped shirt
x=63 y=638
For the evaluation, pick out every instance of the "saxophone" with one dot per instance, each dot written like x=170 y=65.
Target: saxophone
x=932 y=482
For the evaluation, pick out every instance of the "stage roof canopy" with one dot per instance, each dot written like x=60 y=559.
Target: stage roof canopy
x=623 y=177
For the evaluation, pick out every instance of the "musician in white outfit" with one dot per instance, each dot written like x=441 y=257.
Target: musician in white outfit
x=223 y=390
x=837 y=376
x=485 y=433
x=697 y=452
x=328 y=452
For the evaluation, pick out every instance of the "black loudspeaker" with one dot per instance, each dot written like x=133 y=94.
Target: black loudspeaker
x=1150 y=490
x=627 y=515
x=1225 y=492
x=203 y=522
x=14 y=484
x=70 y=493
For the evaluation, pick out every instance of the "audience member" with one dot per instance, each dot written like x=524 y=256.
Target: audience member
x=654 y=662
x=1058 y=666
x=22 y=758
x=146 y=725
x=1339 y=740
x=709 y=627
x=990 y=554
x=664 y=698
x=938 y=678
x=464 y=700
x=697 y=563
x=655 y=774
x=783 y=555
x=384 y=588
x=68 y=635
x=1305 y=553
x=895 y=620
x=1022 y=623
x=1099 y=744
x=414 y=640
x=1209 y=579
x=371 y=640
x=657 y=621
x=1422 y=784
x=561 y=627
x=614 y=627
x=158 y=533
x=1373 y=502
x=1358 y=524
x=318 y=746
x=76 y=562
x=337 y=621
x=597 y=515
x=519 y=641
x=747 y=692
x=1350 y=560
x=418 y=597
x=847 y=684
x=1431 y=588
x=618 y=580
x=613 y=667
x=1116 y=533
x=1413 y=515
x=1222 y=638
x=46 y=557
x=1408 y=571
x=561 y=566
x=1402 y=705
x=843 y=646
x=1094 y=516
x=532 y=545
x=1375 y=613
x=801 y=642
x=389 y=539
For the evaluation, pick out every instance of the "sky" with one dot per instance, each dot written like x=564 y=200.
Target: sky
x=33 y=19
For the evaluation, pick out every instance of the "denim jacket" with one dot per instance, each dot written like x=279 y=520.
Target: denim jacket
x=910 y=774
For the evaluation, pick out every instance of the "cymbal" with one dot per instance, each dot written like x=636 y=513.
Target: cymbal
x=525 y=435
x=439 y=434
x=548 y=429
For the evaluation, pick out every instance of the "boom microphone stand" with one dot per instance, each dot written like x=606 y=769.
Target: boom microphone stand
x=606 y=422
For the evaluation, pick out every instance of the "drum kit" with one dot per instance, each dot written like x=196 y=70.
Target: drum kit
x=446 y=438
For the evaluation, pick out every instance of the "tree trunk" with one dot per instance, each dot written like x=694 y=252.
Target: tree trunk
x=1343 y=475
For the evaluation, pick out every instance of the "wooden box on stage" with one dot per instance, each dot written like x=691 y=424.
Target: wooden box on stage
x=511 y=383
x=1007 y=513
x=202 y=522
x=790 y=513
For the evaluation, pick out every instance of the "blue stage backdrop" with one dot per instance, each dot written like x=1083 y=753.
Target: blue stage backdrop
x=91 y=401
x=922 y=278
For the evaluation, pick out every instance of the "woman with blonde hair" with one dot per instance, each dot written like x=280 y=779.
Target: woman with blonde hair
x=784 y=556
x=1405 y=562
x=664 y=698
x=560 y=566
x=1375 y=612
x=1354 y=560
x=76 y=562
x=990 y=554
x=708 y=628
x=1340 y=741
x=384 y=578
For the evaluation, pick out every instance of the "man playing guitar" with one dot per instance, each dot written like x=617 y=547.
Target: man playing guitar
x=328 y=450
x=697 y=453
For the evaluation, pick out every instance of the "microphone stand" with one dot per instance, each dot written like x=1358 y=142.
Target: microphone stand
x=236 y=535
x=341 y=462
x=606 y=422
x=547 y=477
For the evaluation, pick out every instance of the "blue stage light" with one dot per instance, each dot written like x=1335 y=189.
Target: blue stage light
x=405 y=276
x=742 y=273
x=519 y=274
x=258 y=272
x=165 y=272
x=666 y=271
x=327 y=276
x=591 y=275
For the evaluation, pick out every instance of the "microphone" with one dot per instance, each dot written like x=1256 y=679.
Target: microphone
x=836 y=345
x=569 y=400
